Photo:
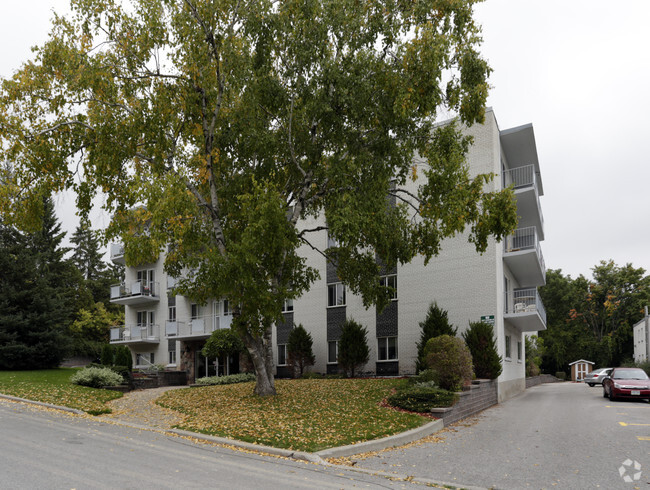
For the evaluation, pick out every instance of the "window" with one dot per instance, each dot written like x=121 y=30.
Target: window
x=171 y=313
x=507 y=347
x=226 y=308
x=332 y=351
x=144 y=359
x=195 y=311
x=336 y=294
x=145 y=318
x=146 y=279
x=282 y=354
x=519 y=359
x=390 y=282
x=287 y=306
x=387 y=348
x=171 y=349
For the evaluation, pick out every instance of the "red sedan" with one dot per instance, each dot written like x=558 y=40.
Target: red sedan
x=627 y=383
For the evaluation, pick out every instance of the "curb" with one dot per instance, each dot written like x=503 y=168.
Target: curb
x=42 y=404
x=383 y=443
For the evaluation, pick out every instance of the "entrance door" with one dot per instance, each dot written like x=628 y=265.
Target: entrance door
x=581 y=370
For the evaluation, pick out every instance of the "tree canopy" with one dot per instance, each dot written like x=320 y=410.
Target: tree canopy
x=593 y=319
x=221 y=126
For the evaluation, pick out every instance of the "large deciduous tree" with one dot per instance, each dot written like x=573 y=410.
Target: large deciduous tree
x=221 y=125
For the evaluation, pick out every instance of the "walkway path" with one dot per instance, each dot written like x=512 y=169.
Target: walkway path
x=139 y=407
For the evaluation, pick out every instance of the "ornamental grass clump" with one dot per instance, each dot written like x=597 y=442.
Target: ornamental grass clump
x=451 y=361
x=96 y=377
x=422 y=399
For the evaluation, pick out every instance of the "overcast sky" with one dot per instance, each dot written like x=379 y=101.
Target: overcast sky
x=579 y=71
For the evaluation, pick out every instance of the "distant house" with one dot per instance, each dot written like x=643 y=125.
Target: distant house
x=642 y=339
x=579 y=369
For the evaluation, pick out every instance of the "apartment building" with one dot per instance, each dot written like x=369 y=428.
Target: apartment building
x=498 y=286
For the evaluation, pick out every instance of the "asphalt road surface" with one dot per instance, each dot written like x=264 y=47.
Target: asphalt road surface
x=47 y=449
x=563 y=435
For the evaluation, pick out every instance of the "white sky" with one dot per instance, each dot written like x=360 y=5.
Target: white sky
x=579 y=70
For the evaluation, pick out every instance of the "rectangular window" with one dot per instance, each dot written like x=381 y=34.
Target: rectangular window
x=287 y=306
x=387 y=348
x=226 y=308
x=390 y=282
x=171 y=313
x=336 y=294
x=282 y=354
x=519 y=352
x=144 y=359
x=195 y=311
x=508 y=347
x=145 y=318
x=171 y=349
x=332 y=351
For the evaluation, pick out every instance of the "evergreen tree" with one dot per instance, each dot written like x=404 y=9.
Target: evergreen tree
x=33 y=309
x=353 y=347
x=299 y=349
x=86 y=256
x=435 y=324
x=480 y=340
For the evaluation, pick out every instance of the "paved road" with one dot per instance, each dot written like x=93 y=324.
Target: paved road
x=563 y=435
x=47 y=449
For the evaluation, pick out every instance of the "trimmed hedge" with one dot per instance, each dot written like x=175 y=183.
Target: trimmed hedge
x=226 y=380
x=96 y=377
x=422 y=399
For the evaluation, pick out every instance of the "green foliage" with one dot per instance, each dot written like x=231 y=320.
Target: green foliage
x=561 y=375
x=534 y=353
x=427 y=376
x=233 y=122
x=422 y=399
x=108 y=355
x=311 y=375
x=96 y=377
x=353 y=347
x=226 y=380
x=123 y=357
x=299 y=349
x=37 y=294
x=91 y=329
x=223 y=342
x=451 y=361
x=436 y=323
x=481 y=343
x=592 y=319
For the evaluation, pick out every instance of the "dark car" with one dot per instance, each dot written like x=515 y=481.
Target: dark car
x=596 y=377
x=626 y=383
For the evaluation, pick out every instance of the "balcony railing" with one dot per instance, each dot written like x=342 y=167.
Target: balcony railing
x=526 y=239
x=117 y=253
x=524 y=302
x=137 y=291
x=522 y=178
x=135 y=333
x=197 y=327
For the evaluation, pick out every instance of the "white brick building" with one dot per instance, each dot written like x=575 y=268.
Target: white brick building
x=641 y=338
x=500 y=284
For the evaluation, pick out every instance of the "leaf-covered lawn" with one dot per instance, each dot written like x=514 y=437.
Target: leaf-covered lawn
x=306 y=415
x=53 y=386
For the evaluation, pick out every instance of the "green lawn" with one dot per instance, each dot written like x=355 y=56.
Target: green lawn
x=307 y=414
x=53 y=386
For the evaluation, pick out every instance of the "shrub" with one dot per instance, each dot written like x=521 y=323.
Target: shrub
x=353 y=347
x=435 y=324
x=561 y=375
x=226 y=380
x=123 y=357
x=451 y=361
x=481 y=343
x=422 y=399
x=223 y=342
x=96 y=377
x=108 y=355
x=299 y=349
x=312 y=376
x=426 y=377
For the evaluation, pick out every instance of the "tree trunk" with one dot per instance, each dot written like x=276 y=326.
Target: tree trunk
x=260 y=350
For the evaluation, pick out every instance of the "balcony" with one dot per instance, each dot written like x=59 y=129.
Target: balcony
x=117 y=253
x=523 y=256
x=523 y=308
x=135 y=334
x=197 y=328
x=136 y=293
x=527 y=191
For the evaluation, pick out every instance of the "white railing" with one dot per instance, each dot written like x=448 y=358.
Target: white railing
x=204 y=325
x=525 y=239
x=135 y=333
x=137 y=288
x=117 y=250
x=523 y=301
x=520 y=177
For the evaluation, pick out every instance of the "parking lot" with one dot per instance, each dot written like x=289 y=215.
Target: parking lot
x=563 y=435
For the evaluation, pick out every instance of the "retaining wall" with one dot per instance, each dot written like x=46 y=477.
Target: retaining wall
x=482 y=394
x=538 y=380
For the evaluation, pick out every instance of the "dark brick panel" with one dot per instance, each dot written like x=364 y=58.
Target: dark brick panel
x=335 y=320
x=284 y=328
x=387 y=321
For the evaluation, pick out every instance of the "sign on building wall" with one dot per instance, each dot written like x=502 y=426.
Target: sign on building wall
x=488 y=319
